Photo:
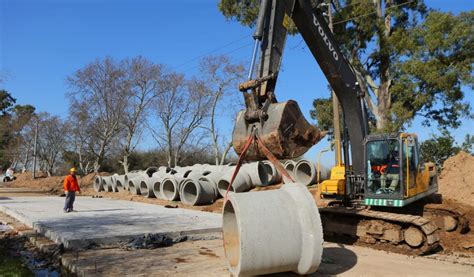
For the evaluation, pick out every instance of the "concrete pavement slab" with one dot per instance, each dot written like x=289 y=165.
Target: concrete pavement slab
x=101 y=221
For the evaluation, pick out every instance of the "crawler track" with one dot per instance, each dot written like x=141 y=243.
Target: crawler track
x=398 y=230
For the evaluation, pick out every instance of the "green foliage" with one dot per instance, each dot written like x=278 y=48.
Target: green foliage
x=468 y=144
x=437 y=62
x=244 y=11
x=322 y=112
x=439 y=148
x=6 y=102
x=419 y=59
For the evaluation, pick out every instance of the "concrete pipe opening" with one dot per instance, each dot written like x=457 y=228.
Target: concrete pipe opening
x=222 y=186
x=263 y=174
x=189 y=192
x=143 y=188
x=98 y=184
x=134 y=186
x=231 y=235
x=156 y=189
x=169 y=189
x=289 y=167
x=119 y=185
x=272 y=174
x=305 y=172
x=253 y=231
x=131 y=186
x=104 y=185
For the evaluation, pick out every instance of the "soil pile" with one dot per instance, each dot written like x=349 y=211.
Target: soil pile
x=456 y=180
x=25 y=180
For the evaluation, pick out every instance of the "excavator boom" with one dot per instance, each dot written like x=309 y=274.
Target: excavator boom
x=282 y=126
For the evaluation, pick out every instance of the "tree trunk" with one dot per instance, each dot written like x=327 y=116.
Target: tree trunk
x=224 y=154
x=125 y=163
x=384 y=96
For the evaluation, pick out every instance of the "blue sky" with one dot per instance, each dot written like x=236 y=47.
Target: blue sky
x=43 y=42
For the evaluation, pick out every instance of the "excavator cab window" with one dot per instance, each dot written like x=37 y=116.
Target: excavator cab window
x=383 y=167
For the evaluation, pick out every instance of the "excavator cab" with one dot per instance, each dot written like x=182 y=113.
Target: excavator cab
x=395 y=176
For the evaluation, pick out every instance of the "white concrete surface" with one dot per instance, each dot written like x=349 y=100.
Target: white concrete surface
x=106 y=221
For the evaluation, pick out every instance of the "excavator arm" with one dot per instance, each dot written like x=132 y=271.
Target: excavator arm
x=272 y=120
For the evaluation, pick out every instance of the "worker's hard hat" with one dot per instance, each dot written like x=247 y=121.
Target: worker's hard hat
x=72 y=169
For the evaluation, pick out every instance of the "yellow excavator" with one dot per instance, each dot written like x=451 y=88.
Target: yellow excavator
x=382 y=170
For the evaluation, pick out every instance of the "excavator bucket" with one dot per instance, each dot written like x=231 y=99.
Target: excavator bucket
x=286 y=133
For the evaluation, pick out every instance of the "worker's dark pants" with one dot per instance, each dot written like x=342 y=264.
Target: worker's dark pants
x=70 y=197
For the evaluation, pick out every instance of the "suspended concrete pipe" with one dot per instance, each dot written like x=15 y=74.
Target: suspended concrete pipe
x=305 y=172
x=257 y=173
x=289 y=167
x=195 y=192
x=253 y=231
x=169 y=188
x=242 y=182
x=134 y=185
x=98 y=187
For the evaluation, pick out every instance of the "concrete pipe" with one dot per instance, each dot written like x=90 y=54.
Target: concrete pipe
x=242 y=182
x=131 y=175
x=149 y=171
x=114 y=182
x=107 y=183
x=273 y=175
x=257 y=173
x=305 y=172
x=134 y=185
x=213 y=177
x=120 y=183
x=196 y=192
x=157 y=178
x=289 y=167
x=169 y=188
x=146 y=187
x=98 y=184
x=164 y=169
x=272 y=231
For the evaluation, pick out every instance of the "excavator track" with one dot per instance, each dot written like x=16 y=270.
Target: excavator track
x=417 y=233
x=448 y=220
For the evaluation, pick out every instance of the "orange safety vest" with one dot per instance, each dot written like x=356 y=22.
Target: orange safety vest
x=70 y=183
x=379 y=168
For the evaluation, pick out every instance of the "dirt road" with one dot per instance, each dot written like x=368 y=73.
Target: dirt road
x=206 y=258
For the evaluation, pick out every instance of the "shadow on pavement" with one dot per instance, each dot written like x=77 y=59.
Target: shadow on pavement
x=335 y=261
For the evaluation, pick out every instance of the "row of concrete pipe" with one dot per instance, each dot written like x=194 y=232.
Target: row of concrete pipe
x=248 y=249
x=202 y=184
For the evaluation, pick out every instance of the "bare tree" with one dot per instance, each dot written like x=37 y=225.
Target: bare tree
x=51 y=142
x=221 y=78
x=181 y=107
x=143 y=77
x=80 y=138
x=101 y=89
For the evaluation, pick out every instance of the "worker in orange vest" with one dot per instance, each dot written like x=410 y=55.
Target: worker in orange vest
x=70 y=187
